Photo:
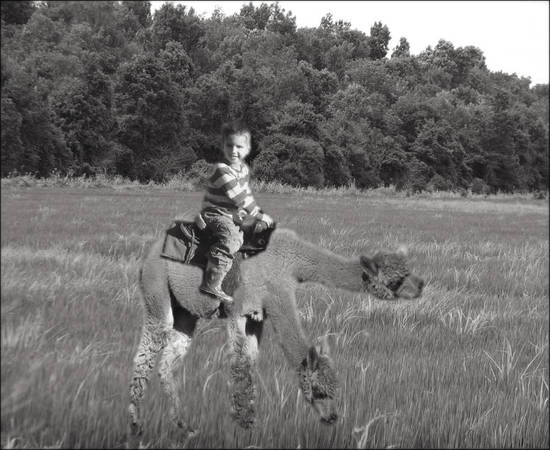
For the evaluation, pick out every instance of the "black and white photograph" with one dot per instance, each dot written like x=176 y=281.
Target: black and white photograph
x=274 y=224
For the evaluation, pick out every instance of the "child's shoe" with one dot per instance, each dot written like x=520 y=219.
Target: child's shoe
x=212 y=282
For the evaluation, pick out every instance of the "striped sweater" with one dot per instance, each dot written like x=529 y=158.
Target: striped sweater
x=228 y=192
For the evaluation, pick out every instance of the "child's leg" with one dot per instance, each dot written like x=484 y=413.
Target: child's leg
x=229 y=239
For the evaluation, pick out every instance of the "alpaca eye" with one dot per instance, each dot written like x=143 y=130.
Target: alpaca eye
x=395 y=285
x=319 y=394
x=261 y=241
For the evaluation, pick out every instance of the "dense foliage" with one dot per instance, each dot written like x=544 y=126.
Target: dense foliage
x=106 y=87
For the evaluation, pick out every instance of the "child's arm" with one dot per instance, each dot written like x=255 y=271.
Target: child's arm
x=263 y=216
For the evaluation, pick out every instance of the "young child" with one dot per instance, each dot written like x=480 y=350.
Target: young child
x=227 y=201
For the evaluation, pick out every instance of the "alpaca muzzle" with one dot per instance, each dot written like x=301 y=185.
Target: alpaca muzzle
x=326 y=410
x=410 y=288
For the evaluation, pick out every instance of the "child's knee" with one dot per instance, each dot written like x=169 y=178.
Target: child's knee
x=227 y=246
x=235 y=242
x=220 y=256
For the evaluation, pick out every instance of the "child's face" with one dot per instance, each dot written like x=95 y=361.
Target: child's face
x=236 y=147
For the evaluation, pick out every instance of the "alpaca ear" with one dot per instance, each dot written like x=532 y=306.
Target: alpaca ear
x=369 y=265
x=403 y=250
x=312 y=358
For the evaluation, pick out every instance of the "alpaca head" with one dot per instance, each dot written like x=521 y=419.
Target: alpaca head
x=387 y=276
x=318 y=382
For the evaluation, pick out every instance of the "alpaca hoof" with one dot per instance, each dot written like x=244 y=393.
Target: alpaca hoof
x=134 y=436
x=185 y=428
x=136 y=429
x=330 y=419
x=136 y=426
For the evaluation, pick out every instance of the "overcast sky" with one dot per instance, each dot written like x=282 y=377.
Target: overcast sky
x=513 y=35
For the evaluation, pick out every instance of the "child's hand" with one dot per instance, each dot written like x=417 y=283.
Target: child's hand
x=267 y=219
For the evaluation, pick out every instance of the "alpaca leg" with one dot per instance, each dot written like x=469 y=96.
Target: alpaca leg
x=151 y=343
x=244 y=336
x=172 y=358
x=315 y=369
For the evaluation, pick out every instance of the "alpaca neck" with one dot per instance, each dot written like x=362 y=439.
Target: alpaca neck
x=317 y=265
x=331 y=272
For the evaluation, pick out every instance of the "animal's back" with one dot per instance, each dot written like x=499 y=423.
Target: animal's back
x=164 y=281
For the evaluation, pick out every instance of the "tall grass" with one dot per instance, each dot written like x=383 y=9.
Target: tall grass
x=464 y=366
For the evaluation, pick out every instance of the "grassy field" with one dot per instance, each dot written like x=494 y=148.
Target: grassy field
x=464 y=366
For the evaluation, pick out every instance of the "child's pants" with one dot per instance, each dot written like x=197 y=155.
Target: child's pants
x=229 y=238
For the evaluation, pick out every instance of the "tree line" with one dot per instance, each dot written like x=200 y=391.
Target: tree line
x=107 y=87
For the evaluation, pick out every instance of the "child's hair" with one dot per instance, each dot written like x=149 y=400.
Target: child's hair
x=237 y=126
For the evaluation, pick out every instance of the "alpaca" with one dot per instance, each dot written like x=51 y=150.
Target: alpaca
x=264 y=289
